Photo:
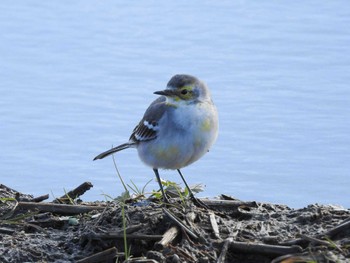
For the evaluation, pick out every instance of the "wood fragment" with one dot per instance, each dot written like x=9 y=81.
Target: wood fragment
x=214 y=225
x=223 y=253
x=227 y=203
x=179 y=223
x=39 y=198
x=256 y=248
x=73 y=194
x=168 y=237
x=58 y=208
x=103 y=256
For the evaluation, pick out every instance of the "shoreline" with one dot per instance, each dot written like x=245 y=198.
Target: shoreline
x=70 y=230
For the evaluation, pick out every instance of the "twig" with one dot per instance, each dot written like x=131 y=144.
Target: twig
x=214 y=225
x=263 y=248
x=223 y=253
x=75 y=193
x=179 y=223
x=104 y=256
x=59 y=208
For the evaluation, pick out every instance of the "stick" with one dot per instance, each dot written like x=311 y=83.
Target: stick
x=168 y=236
x=214 y=225
x=75 y=193
x=39 y=198
x=264 y=249
x=179 y=223
x=222 y=256
x=59 y=208
x=103 y=256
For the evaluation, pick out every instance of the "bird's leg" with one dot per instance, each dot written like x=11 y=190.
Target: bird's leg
x=196 y=201
x=165 y=199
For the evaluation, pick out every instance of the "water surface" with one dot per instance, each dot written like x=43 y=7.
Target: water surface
x=76 y=77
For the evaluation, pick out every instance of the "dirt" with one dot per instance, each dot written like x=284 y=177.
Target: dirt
x=229 y=231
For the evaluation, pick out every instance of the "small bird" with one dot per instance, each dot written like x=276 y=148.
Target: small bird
x=177 y=129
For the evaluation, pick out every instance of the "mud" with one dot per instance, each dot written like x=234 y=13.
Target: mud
x=230 y=231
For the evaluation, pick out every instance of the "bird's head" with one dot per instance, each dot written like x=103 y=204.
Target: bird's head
x=185 y=88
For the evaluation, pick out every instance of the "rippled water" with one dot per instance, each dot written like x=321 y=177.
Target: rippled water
x=76 y=76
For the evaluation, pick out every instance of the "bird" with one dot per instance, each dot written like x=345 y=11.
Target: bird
x=177 y=129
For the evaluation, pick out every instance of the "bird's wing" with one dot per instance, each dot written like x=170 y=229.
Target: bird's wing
x=147 y=128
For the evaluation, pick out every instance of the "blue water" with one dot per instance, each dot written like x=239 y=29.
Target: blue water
x=76 y=77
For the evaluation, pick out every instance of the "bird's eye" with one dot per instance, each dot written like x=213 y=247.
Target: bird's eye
x=184 y=91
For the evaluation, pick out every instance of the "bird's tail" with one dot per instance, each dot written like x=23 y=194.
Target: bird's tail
x=114 y=149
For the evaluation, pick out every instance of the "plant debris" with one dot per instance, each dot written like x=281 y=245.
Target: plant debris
x=148 y=231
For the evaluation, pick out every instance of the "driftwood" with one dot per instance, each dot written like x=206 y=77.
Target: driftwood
x=73 y=194
x=168 y=237
x=227 y=204
x=58 y=208
x=39 y=198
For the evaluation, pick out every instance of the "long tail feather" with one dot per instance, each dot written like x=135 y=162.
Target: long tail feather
x=113 y=150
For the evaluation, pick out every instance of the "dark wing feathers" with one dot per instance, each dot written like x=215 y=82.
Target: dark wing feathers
x=148 y=127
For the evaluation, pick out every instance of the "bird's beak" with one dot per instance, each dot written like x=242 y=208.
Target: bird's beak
x=167 y=93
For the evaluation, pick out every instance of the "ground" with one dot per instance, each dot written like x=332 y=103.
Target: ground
x=228 y=230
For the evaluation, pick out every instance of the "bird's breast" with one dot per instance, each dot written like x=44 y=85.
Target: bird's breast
x=185 y=134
